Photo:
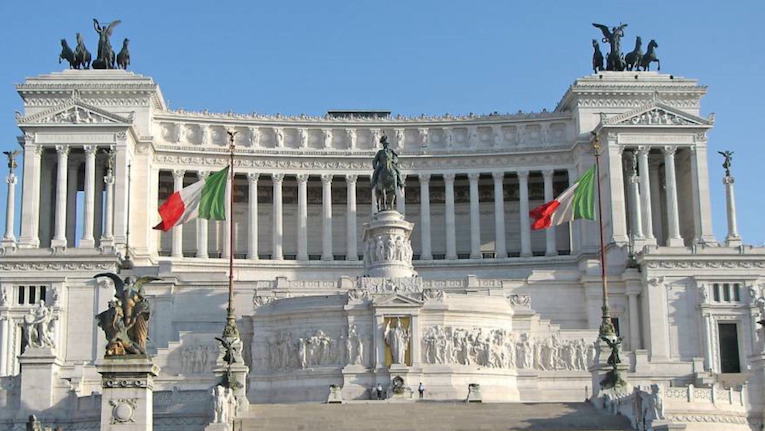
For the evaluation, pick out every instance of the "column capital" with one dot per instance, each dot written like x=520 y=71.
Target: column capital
x=36 y=149
x=277 y=178
x=669 y=150
x=449 y=178
x=351 y=178
x=498 y=176
x=203 y=174
x=109 y=179
x=548 y=173
x=90 y=149
x=473 y=176
x=326 y=179
x=252 y=177
x=178 y=174
x=424 y=178
x=302 y=178
x=523 y=174
x=643 y=150
x=62 y=150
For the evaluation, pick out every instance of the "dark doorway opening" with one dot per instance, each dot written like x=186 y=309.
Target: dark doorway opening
x=729 y=357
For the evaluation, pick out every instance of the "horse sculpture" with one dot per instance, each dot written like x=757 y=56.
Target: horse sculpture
x=123 y=58
x=386 y=178
x=597 y=57
x=634 y=58
x=650 y=56
x=81 y=54
x=66 y=54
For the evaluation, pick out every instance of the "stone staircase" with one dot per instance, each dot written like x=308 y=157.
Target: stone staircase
x=429 y=415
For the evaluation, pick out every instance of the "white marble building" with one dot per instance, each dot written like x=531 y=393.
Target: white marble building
x=493 y=303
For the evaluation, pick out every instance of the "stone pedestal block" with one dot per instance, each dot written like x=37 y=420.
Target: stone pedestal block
x=128 y=385
x=239 y=373
x=39 y=369
x=387 y=247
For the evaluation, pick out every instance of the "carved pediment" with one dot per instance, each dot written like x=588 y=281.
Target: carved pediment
x=74 y=112
x=396 y=300
x=657 y=114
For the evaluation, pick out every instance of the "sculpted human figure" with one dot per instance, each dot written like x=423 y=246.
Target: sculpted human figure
x=397 y=339
x=37 y=326
x=106 y=57
x=613 y=37
x=386 y=177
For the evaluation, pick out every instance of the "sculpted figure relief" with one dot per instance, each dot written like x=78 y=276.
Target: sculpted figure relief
x=397 y=339
x=500 y=348
x=38 y=326
x=126 y=321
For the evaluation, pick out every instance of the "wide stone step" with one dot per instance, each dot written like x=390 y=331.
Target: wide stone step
x=426 y=416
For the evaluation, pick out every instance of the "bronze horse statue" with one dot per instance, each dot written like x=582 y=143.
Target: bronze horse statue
x=386 y=178
x=81 y=54
x=634 y=58
x=650 y=56
x=66 y=54
x=597 y=57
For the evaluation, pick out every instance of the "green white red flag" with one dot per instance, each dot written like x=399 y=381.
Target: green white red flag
x=576 y=202
x=204 y=199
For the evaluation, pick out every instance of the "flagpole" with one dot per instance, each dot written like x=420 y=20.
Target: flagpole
x=606 y=325
x=231 y=331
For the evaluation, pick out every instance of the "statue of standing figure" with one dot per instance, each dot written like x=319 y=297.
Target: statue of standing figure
x=397 y=339
x=38 y=326
x=613 y=37
x=386 y=178
x=106 y=58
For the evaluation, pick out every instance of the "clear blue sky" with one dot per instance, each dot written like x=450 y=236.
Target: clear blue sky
x=410 y=57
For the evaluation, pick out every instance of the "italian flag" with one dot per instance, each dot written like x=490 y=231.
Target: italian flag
x=577 y=202
x=204 y=199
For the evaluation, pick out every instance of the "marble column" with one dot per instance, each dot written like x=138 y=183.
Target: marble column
x=107 y=238
x=451 y=242
x=71 y=202
x=614 y=201
x=202 y=226
x=351 y=249
x=523 y=184
x=673 y=218
x=426 y=252
x=500 y=245
x=733 y=239
x=636 y=222
x=278 y=233
x=475 y=217
x=87 y=240
x=228 y=223
x=177 y=232
x=401 y=196
x=575 y=242
x=326 y=219
x=700 y=182
x=4 y=345
x=634 y=318
x=59 y=236
x=252 y=231
x=302 y=218
x=30 y=205
x=551 y=248
x=9 y=239
x=645 y=193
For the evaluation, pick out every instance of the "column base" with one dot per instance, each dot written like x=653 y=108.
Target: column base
x=107 y=245
x=551 y=253
x=733 y=241
x=8 y=245
x=327 y=258
x=87 y=243
x=58 y=245
x=675 y=242
x=476 y=256
x=28 y=243
x=426 y=257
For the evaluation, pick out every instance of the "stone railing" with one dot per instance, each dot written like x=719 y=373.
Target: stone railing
x=650 y=408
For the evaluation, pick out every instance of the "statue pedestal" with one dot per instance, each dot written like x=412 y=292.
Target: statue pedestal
x=387 y=248
x=39 y=370
x=601 y=371
x=239 y=373
x=127 y=398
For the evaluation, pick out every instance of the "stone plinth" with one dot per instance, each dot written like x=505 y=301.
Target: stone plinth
x=39 y=369
x=128 y=385
x=387 y=248
x=239 y=374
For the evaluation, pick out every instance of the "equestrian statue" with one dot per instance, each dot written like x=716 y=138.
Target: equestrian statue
x=386 y=178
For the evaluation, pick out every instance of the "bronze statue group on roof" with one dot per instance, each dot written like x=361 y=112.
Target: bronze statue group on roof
x=80 y=57
x=616 y=61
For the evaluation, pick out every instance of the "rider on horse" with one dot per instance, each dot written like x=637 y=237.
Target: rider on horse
x=385 y=164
